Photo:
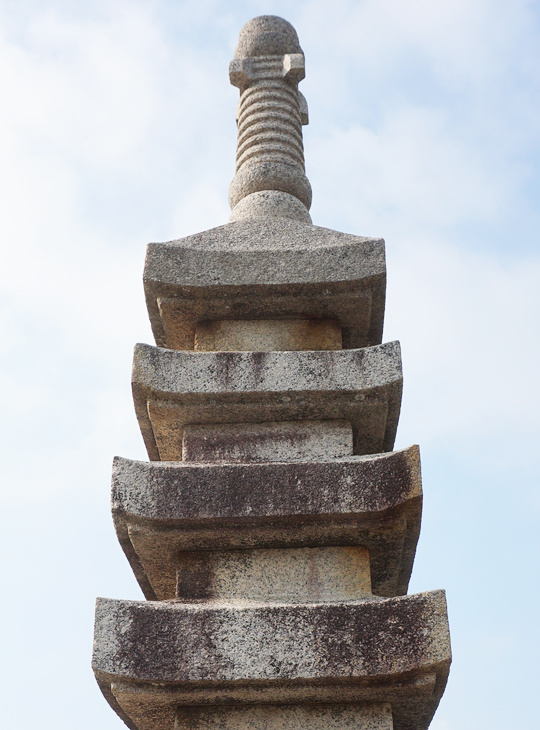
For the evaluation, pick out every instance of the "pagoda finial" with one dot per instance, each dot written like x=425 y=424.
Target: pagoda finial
x=270 y=177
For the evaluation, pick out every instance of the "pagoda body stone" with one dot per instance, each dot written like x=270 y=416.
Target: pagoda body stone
x=273 y=531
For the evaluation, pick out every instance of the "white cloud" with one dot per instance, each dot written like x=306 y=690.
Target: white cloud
x=466 y=41
x=442 y=725
x=470 y=353
x=412 y=172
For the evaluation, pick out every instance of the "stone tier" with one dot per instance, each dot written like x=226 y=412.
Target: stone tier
x=280 y=269
x=173 y=389
x=233 y=530
x=158 y=663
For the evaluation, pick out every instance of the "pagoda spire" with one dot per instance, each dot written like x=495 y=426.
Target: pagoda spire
x=270 y=174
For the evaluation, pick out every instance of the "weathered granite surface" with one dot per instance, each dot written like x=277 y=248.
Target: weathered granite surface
x=268 y=335
x=267 y=35
x=270 y=441
x=267 y=204
x=172 y=389
x=279 y=575
x=254 y=270
x=161 y=509
x=393 y=650
x=370 y=716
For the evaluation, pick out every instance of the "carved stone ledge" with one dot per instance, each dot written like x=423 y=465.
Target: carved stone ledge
x=161 y=509
x=152 y=658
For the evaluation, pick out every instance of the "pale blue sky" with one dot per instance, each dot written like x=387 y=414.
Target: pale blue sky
x=117 y=128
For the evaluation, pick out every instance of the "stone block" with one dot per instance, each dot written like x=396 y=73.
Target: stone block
x=281 y=441
x=284 y=268
x=290 y=717
x=151 y=659
x=163 y=509
x=265 y=335
x=292 y=575
x=173 y=389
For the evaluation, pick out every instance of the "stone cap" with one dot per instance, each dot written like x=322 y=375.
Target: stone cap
x=284 y=268
x=267 y=35
x=150 y=658
x=173 y=388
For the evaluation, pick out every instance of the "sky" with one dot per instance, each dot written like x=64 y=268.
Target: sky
x=117 y=129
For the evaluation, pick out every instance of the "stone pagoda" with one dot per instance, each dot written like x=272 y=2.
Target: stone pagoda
x=273 y=531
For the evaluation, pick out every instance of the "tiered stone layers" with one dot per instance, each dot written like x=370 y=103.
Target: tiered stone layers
x=274 y=531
